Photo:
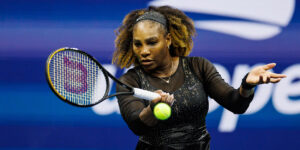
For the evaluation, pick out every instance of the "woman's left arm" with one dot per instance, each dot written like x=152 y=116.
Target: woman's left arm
x=234 y=100
x=259 y=75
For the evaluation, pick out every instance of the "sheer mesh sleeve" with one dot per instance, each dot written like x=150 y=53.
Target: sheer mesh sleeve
x=130 y=107
x=217 y=88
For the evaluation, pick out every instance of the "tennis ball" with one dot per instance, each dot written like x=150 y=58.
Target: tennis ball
x=162 y=111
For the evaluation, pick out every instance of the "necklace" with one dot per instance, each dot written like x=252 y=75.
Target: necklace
x=167 y=79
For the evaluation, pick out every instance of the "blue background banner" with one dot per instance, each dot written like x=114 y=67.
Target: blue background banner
x=234 y=35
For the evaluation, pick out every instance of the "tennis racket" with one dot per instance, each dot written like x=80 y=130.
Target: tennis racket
x=79 y=79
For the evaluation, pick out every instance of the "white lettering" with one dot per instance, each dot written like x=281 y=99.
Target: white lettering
x=262 y=95
x=263 y=92
x=229 y=120
x=213 y=105
x=286 y=88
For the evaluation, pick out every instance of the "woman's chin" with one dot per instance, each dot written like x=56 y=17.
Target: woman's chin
x=148 y=67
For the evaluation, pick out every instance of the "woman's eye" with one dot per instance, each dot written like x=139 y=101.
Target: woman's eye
x=152 y=42
x=137 y=44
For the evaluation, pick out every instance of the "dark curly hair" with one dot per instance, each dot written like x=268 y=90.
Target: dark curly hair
x=180 y=27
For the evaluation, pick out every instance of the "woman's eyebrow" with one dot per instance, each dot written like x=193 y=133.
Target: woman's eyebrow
x=136 y=40
x=151 y=39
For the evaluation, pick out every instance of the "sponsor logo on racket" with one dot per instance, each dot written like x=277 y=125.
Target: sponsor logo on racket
x=75 y=83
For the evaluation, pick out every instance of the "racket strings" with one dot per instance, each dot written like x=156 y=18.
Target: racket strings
x=75 y=77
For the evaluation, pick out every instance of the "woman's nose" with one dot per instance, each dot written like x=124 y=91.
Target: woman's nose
x=145 y=52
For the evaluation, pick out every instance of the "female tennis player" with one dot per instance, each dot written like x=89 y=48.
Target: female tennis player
x=157 y=41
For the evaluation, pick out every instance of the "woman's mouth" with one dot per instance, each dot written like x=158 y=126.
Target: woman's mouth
x=146 y=62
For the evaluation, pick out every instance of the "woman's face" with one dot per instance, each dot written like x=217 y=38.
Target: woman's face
x=150 y=45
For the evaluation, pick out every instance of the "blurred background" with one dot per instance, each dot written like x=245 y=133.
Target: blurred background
x=235 y=35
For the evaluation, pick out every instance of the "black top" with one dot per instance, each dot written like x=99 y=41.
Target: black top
x=194 y=80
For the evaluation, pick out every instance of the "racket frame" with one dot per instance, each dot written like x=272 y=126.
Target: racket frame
x=105 y=72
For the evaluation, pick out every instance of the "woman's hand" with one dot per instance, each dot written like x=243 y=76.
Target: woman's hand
x=164 y=97
x=146 y=114
x=261 y=75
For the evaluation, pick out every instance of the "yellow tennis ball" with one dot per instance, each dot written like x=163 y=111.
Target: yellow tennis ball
x=162 y=111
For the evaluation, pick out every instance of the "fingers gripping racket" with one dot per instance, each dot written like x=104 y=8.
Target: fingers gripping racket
x=79 y=79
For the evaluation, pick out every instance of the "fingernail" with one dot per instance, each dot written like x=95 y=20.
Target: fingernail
x=172 y=102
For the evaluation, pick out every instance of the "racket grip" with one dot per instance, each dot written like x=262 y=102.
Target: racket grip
x=144 y=94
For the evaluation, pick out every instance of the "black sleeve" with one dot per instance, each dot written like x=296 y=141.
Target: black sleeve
x=130 y=107
x=217 y=88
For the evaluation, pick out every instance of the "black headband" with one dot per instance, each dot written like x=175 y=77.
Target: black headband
x=154 y=16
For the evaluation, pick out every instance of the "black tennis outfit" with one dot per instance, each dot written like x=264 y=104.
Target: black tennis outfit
x=194 y=80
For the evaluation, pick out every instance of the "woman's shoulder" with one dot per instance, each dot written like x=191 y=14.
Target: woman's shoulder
x=130 y=73
x=130 y=77
x=201 y=66
x=199 y=62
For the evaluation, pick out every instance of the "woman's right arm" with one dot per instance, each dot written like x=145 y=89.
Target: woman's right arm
x=135 y=112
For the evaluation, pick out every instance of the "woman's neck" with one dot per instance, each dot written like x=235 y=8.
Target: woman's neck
x=168 y=69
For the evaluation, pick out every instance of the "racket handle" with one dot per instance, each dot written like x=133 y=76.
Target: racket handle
x=144 y=94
